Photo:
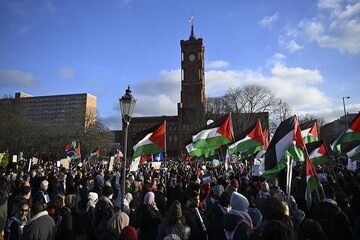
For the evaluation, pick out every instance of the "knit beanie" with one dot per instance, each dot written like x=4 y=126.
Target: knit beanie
x=107 y=191
x=234 y=183
x=238 y=201
x=175 y=210
x=128 y=233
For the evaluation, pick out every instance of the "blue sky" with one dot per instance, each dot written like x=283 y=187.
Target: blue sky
x=307 y=52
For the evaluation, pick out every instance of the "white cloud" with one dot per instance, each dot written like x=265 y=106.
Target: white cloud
x=293 y=46
x=66 y=72
x=276 y=59
x=329 y=4
x=338 y=27
x=298 y=86
x=290 y=45
x=268 y=21
x=17 y=78
x=219 y=64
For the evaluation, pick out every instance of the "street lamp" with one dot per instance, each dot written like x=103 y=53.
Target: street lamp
x=345 y=114
x=127 y=105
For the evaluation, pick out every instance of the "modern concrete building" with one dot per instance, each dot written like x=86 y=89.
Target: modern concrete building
x=51 y=109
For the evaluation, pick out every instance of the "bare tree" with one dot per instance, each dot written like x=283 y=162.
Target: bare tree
x=308 y=117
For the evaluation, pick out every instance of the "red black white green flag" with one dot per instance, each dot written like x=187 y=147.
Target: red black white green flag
x=252 y=138
x=150 y=141
x=310 y=131
x=213 y=135
x=318 y=152
x=352 y=150
x=287 y=141
x=350 y=134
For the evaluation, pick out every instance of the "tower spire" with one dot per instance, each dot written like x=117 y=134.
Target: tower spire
x=192 y=34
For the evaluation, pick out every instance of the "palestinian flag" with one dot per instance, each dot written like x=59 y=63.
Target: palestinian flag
x=310 y=131
x=318 y=153
x=150 y=141
x=197 y=152
x=312 y=181
x=251 y=138
x=351 y=133
x=352 y=150
x=287 y=141
x=215 y=134
x=95 y=152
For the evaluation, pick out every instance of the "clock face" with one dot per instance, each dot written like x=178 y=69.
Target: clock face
x=192 y=57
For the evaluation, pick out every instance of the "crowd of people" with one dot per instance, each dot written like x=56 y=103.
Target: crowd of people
x=181 y=201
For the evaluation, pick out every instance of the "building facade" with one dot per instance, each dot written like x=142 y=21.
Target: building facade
x=56 y=111
x=191 y=109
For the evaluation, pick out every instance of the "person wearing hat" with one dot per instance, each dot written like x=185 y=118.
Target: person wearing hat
x=174 y=223
x=237 y=222
x=128 y=233
x=233 y=186
x=104 y=210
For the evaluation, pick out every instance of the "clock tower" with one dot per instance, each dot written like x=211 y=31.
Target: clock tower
x=191 y=108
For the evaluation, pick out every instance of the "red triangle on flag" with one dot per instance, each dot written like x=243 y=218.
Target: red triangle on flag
x=226 y=128
x=158 y=136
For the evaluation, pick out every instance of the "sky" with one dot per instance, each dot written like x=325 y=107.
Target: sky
x=306 y=52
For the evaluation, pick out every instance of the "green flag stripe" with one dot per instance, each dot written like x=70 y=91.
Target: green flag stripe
x=146 y=150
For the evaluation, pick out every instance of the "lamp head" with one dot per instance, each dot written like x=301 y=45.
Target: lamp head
x=127 y=104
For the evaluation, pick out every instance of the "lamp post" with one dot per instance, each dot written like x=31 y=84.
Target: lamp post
x=127 y=105
x=345 y=114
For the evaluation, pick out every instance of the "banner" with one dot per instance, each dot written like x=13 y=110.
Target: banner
x=4 y=159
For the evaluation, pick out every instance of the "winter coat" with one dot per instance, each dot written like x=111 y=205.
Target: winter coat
x=64 y=224
x=40 y=227
x=149 y=220
x=333 y=220
x=14 y=228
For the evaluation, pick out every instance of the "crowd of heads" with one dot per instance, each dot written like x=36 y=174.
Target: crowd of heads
x=180 y=200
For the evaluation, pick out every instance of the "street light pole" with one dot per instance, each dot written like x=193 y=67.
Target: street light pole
x=345 y=114
x=127 y=105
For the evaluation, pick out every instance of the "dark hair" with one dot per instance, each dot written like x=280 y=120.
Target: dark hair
x=275 y=229
x=329 y=191
x=274 y=209
x=38 y=207
x=225 y=199
x=311 y=229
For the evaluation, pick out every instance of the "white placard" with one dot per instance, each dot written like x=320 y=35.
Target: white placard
x=14 y=160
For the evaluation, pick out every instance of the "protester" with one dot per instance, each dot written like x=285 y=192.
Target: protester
x=16 y=223
x=40 y=226
x=150 y=218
